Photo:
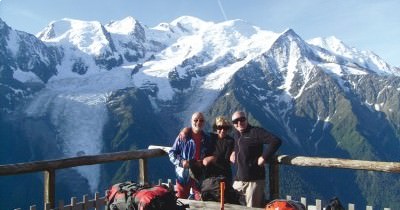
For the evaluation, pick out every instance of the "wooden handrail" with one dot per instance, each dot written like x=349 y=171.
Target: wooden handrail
x=12 y=169
x=389 y=167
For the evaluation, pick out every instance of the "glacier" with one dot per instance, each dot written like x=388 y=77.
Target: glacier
x=77 y=109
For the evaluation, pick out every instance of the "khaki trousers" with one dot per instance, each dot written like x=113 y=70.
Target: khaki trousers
x=253 y=192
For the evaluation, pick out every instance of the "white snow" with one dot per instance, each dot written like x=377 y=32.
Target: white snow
x=87 y=36
x=12 y=43
x=123 y=27
x=366 y=59
x=24 y=76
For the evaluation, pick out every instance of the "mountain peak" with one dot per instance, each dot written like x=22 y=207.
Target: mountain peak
x=2 y=24
x=67 y=26
x=332 y=44
x=124 y=26
x=190 y=24
x=239 y=26
x=289 y=31
x=88 y=36
x=364 y=59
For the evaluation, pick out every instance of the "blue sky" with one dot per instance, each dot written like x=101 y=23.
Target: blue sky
x=364 y=24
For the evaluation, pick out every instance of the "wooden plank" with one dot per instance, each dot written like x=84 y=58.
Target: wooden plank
x=143 y=173
x=49 y=187
x=61 y=205
x=303 y=200
x=351 y=206
x=47 y=206
x=73 y=203
x=392 y=167
x=318 y=204
x=99 y=202
x=212 y=205
x=165 y=149
x=86 y=202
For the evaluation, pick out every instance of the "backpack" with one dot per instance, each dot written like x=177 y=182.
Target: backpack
x=281 y=204
x=120 y=196
x=133 y=196
x=334 y=204
x=210 y=190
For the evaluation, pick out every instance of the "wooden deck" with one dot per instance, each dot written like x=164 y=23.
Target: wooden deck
x=196 y=205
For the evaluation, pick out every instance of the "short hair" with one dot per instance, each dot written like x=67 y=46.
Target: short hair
x=197 y=114
x=220 y=120
x=241 y=113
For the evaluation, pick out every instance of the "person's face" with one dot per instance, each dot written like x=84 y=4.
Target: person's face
x=239 y=121
x=197 y=122
x=222 y=131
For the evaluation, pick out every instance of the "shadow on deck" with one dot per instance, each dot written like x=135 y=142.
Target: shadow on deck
x=196 y=205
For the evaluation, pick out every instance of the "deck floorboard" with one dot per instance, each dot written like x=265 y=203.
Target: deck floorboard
x=196 y=205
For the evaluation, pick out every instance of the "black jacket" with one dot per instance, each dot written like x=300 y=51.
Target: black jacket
x=249 y=146
x=223 y=150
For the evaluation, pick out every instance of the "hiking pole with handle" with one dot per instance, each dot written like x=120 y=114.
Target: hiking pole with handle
x=222 y=194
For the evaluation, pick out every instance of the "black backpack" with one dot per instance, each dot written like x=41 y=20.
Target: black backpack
x=334 y=204
x=210 y=190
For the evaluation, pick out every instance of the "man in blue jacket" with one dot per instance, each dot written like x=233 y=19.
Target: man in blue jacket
x=190 y=150
x=249 y=157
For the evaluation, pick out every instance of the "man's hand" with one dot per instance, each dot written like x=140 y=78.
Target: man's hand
x=184 y=133
x=260 y=161
x=208 y=160
x=185 y=163
x=232 y=157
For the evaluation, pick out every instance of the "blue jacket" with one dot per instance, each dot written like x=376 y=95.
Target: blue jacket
x=185 y=150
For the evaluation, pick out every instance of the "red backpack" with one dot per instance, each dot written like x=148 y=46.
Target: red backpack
x=120 y=196
x=133 y=196
x=281 y=204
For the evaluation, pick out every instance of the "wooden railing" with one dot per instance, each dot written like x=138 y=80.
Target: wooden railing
x=389 y=167
x=50 y=166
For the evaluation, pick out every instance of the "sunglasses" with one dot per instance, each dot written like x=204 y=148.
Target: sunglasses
x=241 y=119
x=225 y=127
x=198 y=120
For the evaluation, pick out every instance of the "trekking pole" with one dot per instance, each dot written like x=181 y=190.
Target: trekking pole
x=222 y=199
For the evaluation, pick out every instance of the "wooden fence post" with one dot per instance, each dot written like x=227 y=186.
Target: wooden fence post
x=351 y=206
x=274 y=179
x=303 y=200
x=143 y=175
x=318 y=204
x=49 y=187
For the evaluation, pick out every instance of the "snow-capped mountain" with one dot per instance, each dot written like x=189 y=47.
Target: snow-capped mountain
x=91 y=88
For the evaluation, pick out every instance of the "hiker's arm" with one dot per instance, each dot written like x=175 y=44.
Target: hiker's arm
x=184 y=133
x=209 y=160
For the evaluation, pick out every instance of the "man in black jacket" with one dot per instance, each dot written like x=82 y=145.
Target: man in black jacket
x=249 y=157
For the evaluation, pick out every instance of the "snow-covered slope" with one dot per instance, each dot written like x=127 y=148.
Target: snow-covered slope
x=361 y=59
